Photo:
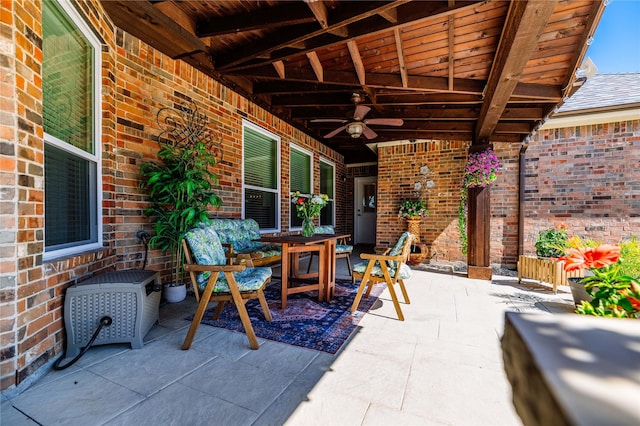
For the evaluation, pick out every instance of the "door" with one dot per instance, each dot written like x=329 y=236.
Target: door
x=365 y=205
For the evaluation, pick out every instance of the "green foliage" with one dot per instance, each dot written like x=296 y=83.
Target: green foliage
x=462 y=220
x=180 y=190
x=552 y=242
x=411 y=209
x=630 y=257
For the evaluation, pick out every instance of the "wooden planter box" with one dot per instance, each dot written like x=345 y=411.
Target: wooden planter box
x=545 y=270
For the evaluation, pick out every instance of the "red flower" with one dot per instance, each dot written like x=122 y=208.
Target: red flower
x=635 y=303
x=301 y=200
x=588 y=257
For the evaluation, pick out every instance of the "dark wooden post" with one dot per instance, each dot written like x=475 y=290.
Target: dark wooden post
x=479 y=229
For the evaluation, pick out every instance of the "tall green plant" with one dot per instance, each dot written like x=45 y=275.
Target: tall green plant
x=180 y=190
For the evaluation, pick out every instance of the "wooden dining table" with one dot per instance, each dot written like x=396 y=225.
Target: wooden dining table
x=293 y=281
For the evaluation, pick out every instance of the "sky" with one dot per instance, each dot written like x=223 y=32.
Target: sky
x=616 y=42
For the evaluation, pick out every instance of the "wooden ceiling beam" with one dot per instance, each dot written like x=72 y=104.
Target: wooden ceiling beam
x=150 y=24
x=293 y=87
x=279 y=67
x=522 y=28
x=378 y=80
x=357 y=61
x=390 y=15
x=407 y=114
x=289 y=14
x=319 y=10
x=316 y=65
x=400 y=50
x=590 y=27
x=450 y=36
x=351 y=12
x=359 y=25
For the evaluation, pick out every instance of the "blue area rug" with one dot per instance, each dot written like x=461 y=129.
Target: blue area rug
x=305 y=322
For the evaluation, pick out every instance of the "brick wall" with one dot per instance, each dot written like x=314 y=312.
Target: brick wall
x=586 y=177
x=137 y=82
x=398 y=170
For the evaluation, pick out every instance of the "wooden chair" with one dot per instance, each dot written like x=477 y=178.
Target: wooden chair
x=389 y=268
x=216 y=281
x=343 y=250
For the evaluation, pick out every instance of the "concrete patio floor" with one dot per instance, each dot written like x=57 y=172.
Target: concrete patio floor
x=441 y=366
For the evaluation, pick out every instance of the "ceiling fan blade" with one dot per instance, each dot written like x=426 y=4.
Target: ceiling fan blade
x=385 y=121
x=368 y=133
x=335 y=132
x=361 y=111
x=328 y=120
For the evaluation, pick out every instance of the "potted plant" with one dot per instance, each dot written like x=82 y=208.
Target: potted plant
x=614 y=281
x=552 y=242
x=180 y=189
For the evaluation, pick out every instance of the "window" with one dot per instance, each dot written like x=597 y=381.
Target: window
x=71 y=94
x=300 y=178
x=327 y=186
x=261 y=174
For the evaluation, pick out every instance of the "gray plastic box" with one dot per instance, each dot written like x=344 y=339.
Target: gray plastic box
x=131 y=298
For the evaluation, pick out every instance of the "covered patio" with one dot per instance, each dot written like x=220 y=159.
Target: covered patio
x=362 y=90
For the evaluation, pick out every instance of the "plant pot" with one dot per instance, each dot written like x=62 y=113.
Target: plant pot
x=174 y=293
x=578 y=292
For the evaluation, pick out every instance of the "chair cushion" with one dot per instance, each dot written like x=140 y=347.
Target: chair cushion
x=344 y=248
x=251 y=279
x=405 y=270
x=205 y=246
x=325 y=229
x=207 y=250
x=397 y=248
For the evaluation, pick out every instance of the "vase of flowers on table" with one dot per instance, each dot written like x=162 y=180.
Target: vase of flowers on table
x=308 y=206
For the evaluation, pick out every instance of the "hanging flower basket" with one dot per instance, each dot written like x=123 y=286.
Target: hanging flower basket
x=481 y=170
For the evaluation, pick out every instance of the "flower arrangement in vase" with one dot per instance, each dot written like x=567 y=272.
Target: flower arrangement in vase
x=308 y=206
x=412 y=209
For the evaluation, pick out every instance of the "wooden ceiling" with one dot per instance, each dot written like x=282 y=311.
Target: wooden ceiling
x=483 y=71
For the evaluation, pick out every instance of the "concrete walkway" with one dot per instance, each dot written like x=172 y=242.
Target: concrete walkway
x=441 y=366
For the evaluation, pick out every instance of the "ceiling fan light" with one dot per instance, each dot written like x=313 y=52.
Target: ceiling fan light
x=355 y=130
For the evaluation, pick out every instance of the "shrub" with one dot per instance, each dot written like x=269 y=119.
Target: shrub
x=552 y=242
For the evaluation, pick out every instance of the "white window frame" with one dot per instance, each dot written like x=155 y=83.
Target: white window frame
x=96 y=158
x=247 y=124
x=311 y=159
x=333 y=200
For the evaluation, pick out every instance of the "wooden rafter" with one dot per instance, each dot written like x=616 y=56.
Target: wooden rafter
x=411 y=13
x=282 y=16
x=450 y=34
x=590 y=27
x=522 y=28
x=319 y=10
x=357 y=61
x=279 y=67
x=145 y=21
x=316 y=65
x=394 y=81
x=400 y=50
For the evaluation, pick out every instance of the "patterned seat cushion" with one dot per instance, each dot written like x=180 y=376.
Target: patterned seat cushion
x=251 y=279
x=344 y=248
x=242 y=234
x=207 y=250
x=405 y=270
x=328 y=229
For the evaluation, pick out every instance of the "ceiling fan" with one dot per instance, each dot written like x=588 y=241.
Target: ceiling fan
x=358 y=126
